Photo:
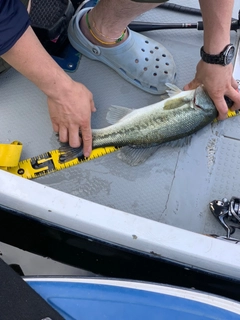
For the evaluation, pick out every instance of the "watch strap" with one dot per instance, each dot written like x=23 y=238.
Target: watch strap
x=215 y=58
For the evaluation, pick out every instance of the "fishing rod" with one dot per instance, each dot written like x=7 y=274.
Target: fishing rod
x=175 y=7
x=184 y=9
x=140 y=26
x=180 y=8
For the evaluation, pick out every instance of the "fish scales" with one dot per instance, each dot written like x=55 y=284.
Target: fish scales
x=156 y=126
x=171 y=119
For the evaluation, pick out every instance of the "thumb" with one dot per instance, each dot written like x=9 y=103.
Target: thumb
x=192 y=85
x=93 y=108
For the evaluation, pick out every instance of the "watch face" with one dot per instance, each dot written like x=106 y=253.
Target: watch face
x=229 y=54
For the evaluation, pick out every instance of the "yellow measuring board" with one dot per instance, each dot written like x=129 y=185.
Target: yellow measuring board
x=49 y=162
x=230 y=114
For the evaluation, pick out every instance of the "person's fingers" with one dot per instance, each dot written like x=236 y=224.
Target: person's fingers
x=234 y=84
x=73 y=135
x=234 y=95
x=55 y=127
x=221 y=106
x=63 y=134
x=192 y=85
x=73 y=115
x=93 y=108
x=87 y=140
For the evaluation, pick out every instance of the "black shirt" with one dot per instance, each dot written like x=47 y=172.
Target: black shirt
x=14 y=20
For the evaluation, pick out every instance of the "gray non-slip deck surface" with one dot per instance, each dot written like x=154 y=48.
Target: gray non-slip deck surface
x=175 y=185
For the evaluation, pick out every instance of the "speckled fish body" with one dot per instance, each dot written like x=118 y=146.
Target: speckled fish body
x=179 y=116
x=170 y=119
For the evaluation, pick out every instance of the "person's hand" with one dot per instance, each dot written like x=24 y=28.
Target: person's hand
x=218 y=82
x=70 y=114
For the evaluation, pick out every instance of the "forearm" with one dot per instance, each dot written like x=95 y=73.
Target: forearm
x=30 y=58
x=217 y=20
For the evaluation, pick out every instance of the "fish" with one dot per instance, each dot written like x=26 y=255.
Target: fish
x=140 y=132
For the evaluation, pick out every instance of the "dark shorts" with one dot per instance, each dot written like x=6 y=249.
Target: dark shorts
x=4 y=66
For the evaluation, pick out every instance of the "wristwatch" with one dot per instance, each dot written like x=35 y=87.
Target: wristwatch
x=223 y=58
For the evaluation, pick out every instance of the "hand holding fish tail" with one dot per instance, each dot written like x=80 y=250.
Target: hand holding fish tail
x=70 y=113
x=219 y=83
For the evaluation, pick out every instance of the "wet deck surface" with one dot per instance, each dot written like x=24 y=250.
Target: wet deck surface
x=175 y=185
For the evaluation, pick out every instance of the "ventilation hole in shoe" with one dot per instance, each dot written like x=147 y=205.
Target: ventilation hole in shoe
x=166 y=72
x=151 y=51
x=156 y=67
x=156 y=48
x=143 y=50
x=146 y=59
x=145 y=68
x=146 y=41
x=163 y=55
x=137 y=81
x=123 y=70
x=167 y=64
x=157 y=59
x=153 y=88
x=155 y=74
x=136 y=61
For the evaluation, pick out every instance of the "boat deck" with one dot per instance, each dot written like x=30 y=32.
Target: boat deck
x=175 y=185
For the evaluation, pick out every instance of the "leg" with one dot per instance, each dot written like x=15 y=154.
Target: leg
x=101 y=33
x=110 y=17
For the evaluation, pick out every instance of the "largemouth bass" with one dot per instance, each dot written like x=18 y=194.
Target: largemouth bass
x=141 y=131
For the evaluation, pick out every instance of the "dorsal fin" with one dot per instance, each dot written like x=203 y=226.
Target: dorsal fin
x=174 y=90
x=116 y=113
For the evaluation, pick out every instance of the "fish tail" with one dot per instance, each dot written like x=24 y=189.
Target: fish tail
x=68 y=153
